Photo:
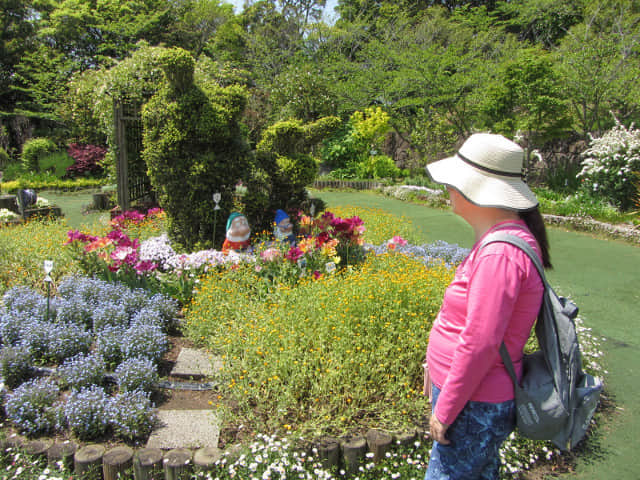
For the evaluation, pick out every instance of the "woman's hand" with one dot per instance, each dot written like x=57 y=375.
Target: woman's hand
x=437 y=430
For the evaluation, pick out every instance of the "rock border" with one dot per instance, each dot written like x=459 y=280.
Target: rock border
x=630 y=233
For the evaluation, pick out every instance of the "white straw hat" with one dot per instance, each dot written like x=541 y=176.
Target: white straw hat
x=487 y=170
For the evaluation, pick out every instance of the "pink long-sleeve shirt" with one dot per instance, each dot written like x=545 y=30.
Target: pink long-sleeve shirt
x=495 y=295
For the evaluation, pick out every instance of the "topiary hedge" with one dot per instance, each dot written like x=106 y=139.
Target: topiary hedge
x=193 y=147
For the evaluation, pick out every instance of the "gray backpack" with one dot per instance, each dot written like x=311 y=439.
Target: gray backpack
x=555 y=399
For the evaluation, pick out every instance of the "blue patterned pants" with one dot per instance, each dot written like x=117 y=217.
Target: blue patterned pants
x=476 y=436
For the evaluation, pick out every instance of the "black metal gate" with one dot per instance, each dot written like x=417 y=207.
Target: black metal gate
x=131 y=170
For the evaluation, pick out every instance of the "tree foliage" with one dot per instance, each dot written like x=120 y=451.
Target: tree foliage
x=440 y=70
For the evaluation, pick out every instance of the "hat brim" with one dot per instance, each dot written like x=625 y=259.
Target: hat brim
x=482 y=188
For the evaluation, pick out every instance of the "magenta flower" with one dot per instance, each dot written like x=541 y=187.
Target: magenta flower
x=145 y=266
x=294 y=254
x=130 y=216
x=125 y=254
x=78 y=236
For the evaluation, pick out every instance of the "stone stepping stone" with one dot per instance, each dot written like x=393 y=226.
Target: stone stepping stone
x=185 y=429
x=194 y=363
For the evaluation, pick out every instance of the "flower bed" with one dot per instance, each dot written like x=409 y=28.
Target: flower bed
x=77 y=334
x=334 y=353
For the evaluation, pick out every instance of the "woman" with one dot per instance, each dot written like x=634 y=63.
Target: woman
x=495 y=296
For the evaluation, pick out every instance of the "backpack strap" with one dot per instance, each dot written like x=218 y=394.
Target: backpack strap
x=516 y=241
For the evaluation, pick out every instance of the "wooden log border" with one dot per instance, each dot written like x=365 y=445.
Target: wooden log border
x=95 y=461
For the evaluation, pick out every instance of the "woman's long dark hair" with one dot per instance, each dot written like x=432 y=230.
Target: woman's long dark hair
x=533 y=219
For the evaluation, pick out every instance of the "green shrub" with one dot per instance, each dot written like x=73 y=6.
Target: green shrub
x=4 y=158
x=55 y=163
x=35 y=149
x=378 y=166
x=579 y=204
x=11 y=172
x=286 y=165
x=47 y=181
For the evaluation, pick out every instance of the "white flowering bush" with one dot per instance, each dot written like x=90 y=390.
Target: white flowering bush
x=42 y=202
x=610 y=164
x=7 y=215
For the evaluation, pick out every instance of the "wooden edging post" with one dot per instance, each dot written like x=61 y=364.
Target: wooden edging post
x=177 y=464
x=62 y=452
x=329 y=452
x=354 y=450
x=379 y=443
x=205 y=458
x=147 y=464
x=117 y=464
x=87 y=462
x=37 y=449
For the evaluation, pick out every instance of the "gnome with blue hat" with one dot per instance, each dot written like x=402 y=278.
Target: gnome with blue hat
x=238 y=232
x=283 y=228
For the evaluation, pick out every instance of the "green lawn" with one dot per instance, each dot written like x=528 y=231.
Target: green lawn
x=74 y=205
x=600 y=276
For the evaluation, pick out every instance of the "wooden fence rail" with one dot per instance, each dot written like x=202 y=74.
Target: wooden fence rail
x=352 y=184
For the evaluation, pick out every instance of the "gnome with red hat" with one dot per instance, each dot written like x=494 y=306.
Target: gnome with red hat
x=238 y=232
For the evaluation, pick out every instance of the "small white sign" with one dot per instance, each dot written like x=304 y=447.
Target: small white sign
x=48 y=266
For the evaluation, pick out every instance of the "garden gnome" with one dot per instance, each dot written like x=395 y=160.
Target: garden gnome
x=283 y=230
x=238 y=232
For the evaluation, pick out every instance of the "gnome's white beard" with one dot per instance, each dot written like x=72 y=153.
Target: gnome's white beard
x=234 y=238
x=279 y=234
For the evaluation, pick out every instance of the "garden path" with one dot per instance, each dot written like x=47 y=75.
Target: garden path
x=601 y=276
x=188 y=427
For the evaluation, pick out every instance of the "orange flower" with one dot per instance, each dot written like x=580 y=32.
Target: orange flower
x=99 y=243
x=306 y=245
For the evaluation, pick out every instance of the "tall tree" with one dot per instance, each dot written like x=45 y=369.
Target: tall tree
x=600 y=66
x=16 y=31
x=526 y=97
x=196 y=25
x=303 y=12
